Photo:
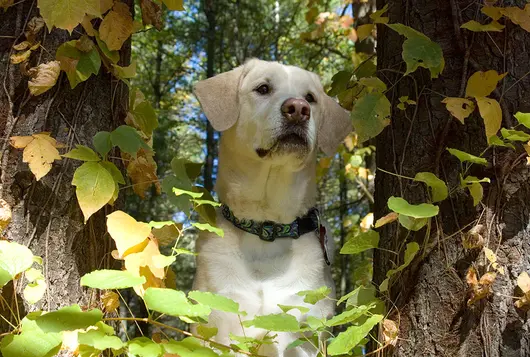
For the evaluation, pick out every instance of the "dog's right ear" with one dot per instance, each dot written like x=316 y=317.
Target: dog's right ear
x=219 y=98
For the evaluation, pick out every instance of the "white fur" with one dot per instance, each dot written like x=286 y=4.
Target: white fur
x=280 y=187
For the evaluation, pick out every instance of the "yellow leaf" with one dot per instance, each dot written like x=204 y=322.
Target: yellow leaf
x=40 y=150
x=367 y=222
x=475 y=26
x=518 y=16
x=389 y=218
x=67 y=14
x=128 y=234
x=490 y=111
x=105 y=5
x=460 y=108
x=390 y=332
x=494 y=12
x=364 y=31
x=117 y=26
x=523 y=281
x=87 y=25
x=45 y=77
x=492 y=258
x=22 y=46
x=110 y=301
x=4 y=4
x=177 y=5
x=5 y=215
x=376 y=16
x=481 y=84
x=143 y=264
x=17 y=58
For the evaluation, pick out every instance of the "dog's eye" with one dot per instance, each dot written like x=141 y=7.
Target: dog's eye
x=309 y=97
x=263 y=89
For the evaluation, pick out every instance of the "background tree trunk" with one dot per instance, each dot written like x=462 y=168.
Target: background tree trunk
x=431 y=295
x=46 y=215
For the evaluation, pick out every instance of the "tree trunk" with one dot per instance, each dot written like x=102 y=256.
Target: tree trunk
x=431 y=295
x=210 y=11
x=45 y=214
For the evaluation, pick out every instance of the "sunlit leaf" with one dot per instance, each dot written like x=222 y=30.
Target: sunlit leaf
x=99 y=340
x=209 y=228
x=14 y=259
x=401 y=206
x=410 y=252
x=142 y=170
x=94 y=187
x=370 y=115
x=129 y=235
x=78 y=65
x=125 y=72
x=274 y=322
x=111 y=279
x=68 y=318
x=174 y=303
x=314 y=296
x=215 y=301
x=438 y=187
x=523 y=119
x=83 y=153
x=515 y=135
x=40 y=151
x=466 y=157
x=348 y=315
x=287 y=308
x=361 y=242
x=67 y=14
x=389 y=218
x=364 y=31
x=490 y=111
x=350 y=338
x=144 y=347
x=35 y=289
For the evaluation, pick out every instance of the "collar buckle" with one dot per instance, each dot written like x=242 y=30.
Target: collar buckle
x=267 y=231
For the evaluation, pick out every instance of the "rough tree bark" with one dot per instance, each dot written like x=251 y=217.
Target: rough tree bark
x=46 y=215
x=430 y=296
x=210 y=11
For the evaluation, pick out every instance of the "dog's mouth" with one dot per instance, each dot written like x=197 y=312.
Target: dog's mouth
x=292 y=140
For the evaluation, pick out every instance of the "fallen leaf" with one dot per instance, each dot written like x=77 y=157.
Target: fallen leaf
x=117 y=26
x=129 y=235
x=490 y=111
x=40 y=150
x=481 y=84
x=151 y=14
x=460 y=108
x=45 y=77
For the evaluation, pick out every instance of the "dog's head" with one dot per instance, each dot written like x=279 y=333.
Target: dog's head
x=271 y=111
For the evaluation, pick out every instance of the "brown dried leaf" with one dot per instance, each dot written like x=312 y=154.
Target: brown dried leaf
x=117 y=26
x=84 y=44
x=44 y=77
x=390 y=332
x=473 y=238
x=389 y=218
x=151 y=14
x=22 y=46
x=142 y=171
x=111 y=301
x=17 y=58
x=33 y=28
x=5 y=214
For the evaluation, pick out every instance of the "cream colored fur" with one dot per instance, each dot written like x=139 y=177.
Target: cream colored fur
x=278 y=187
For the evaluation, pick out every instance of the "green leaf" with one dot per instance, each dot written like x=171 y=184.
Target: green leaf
x=274 y=322
x=339 y=82
x=128 y=139
x=68 y=319
x=207 y=332
x=182 y=202
x=215 y=301
x=348 y=295
x=113 y=56
x=438 y=187
x=496 y=141
x=114 y=171
x=205 y=205
x=370 y=115
x=183 y=251
x=189 y=347
x=523 y=119
x=287 y=308
x=144 y=347
x=349 y=315
x=83 y=153
x=423 y=210
x=314 y=296
x=411 y=223
x=410 y=252
x=174 y=303
x=102 y=143
x=67 y=14
x=350 y=338
x=515 y=135
x=32 y=342
x=125 y=72
x=185 y=171
x=94 y=187
x=99 y=340
x=361 y=242
x=473 y=184
x=475 y=26
x=178 y=192
x=145 y=117
x=420 y=51
x=34 y=291
x=209 y=228
x=295 y=343
x=78 y=65
x=111 y=279
x=465 y=157
x=165 y=232
x=14 y=259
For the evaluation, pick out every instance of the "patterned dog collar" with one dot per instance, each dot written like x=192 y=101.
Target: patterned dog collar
x=269 y=231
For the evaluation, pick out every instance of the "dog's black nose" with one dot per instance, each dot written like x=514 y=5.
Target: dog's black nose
x=296 y=109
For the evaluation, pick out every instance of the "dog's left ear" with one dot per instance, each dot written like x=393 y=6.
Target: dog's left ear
x=334 y=127
x=219 y=98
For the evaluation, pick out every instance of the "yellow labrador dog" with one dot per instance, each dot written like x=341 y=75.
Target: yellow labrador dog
x=272 y=118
